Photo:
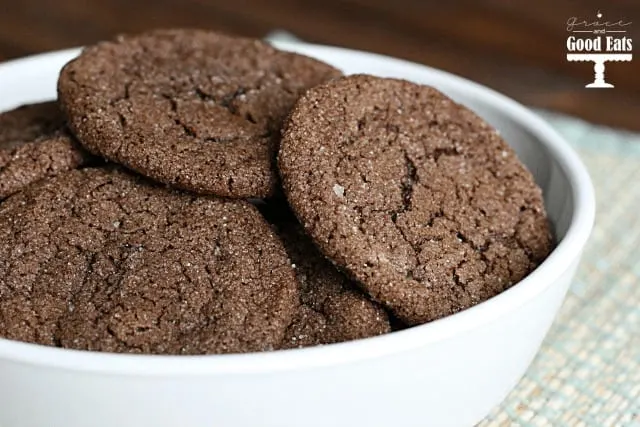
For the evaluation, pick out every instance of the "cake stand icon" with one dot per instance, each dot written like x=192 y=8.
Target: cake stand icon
x=599 y=60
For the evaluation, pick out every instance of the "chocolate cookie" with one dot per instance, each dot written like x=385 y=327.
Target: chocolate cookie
x=34 y=144
x=197 y=110
x=103 y=260
x=414 y=195
x=332 y=309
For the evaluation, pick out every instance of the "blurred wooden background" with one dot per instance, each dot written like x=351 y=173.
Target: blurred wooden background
x=514 y=46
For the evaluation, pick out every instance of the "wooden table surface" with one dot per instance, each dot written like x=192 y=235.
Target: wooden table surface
x=515 y=46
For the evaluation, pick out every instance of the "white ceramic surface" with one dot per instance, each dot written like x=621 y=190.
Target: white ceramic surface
x=447 y=373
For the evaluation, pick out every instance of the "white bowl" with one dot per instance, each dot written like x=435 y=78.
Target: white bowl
x=450 y=372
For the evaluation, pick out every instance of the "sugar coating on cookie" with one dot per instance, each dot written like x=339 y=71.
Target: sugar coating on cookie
x=332 y=308
x=34 y=144
x=103 y=260
x=414 y=195
x=197 y=110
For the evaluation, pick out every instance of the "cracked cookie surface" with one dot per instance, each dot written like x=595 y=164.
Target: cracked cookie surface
x=412 y=194
x=100 y=259
x=197 y=110
x=34 y=144
x=332 y=309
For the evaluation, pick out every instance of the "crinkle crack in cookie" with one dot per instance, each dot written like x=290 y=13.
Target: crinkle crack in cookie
x=103 y=260
x=414 y=195
x=197 y=110
x=34 y=144
x=332 y=309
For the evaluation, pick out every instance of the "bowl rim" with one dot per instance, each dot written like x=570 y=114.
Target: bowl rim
x=545 y=276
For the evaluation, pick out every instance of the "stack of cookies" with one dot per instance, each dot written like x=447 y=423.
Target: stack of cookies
x=196 y=193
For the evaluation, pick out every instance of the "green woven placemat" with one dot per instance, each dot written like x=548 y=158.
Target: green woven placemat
x=588 y=370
